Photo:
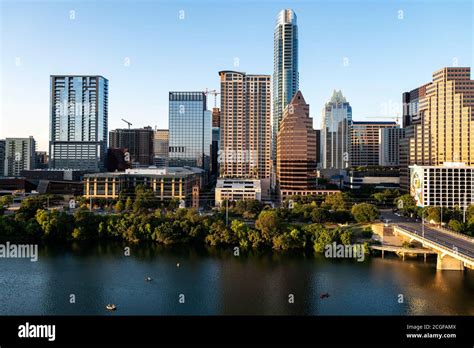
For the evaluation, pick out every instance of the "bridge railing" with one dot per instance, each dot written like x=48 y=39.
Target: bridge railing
x=439 y=246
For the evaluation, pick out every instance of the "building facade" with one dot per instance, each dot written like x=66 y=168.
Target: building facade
x=216 y=140
x=138 y=142
x=285 y=67
x=336 y=133
x=78 y=122
x=411 y=117
x=189 y=130
x=441 y=141
x=161 y=147
x=2 y=157
x=245 y=132
x=166 y=183
x=364 y=149
x=446 y=127
x=19 y=155
x=389 y=146
x=296 y=148
x=375 y=178
x=449 y=185
x=237 y=190
x=41 y=160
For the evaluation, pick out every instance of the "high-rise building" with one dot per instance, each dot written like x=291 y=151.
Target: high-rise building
x=335 y=132
x=138 y=142
x=2 y=157
x=446 y=127
x=245 y=125
x=411 y=117
x=41 y=160
x=296 y=149
x=318 y=147
x=189 y=130
x=389 y=146
x=79 y=118
x=364 y=149
x=215 y=145
x=285 y=67
x=161 y=147
x=19 y=155
x=442 y=138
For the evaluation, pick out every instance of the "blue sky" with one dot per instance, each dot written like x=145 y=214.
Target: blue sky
x=386 y=54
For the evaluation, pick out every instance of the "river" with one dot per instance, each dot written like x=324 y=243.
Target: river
x=215 y=282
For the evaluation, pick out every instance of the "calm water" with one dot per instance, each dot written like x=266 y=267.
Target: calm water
x=216 y=282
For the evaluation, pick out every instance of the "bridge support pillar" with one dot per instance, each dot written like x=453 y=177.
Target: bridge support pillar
x=448 y=263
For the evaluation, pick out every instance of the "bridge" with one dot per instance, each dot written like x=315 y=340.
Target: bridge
x=455 y=251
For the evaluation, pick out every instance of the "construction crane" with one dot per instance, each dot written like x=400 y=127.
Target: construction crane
x=214 y=93
x=129 y=123
x=396 y=118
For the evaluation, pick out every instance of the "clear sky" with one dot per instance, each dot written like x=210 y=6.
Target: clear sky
x=386 y=52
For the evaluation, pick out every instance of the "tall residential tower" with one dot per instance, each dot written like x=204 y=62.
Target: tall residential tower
x=285 y=67
x=78 y=122
x=245 y=137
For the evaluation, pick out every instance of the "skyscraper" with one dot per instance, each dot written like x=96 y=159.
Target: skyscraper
x=161 y=147
x=285 y=67
x=389 y=146
x=441 y=146
x=296 y=149
x=245 y=125
x=138 y=141
x=2 y=157
x=79 y=118
x=445 y=129
x=365 y=142
x=335 y=133
x=19 y=155
x=189 y=130
x=216 y=138
x=411 y=101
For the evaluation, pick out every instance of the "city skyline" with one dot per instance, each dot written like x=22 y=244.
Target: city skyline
x=125 y=58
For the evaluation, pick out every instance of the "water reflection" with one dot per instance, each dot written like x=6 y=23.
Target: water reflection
x=214 y=281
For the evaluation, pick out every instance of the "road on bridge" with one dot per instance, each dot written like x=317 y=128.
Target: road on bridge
x=447 y=240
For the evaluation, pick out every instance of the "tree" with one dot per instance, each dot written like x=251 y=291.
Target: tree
x=346 y=237
x=29 y=206
x=319 y=215
x=6 y=201
x=455 y=225
x=379 y=197
x=129 y=204
x=268 y=223
x=335 y=201
x=433 y=214
x=54 y=224
x=364 y=212
x=119 y=207
x=406 y=203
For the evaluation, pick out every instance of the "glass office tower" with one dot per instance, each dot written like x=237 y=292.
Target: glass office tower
x=78 y=122
x=285 y=67
x=190 y=130
x=335 y=133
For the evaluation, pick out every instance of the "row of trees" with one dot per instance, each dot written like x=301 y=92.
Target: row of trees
x=166 y=226
x=336 y=208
